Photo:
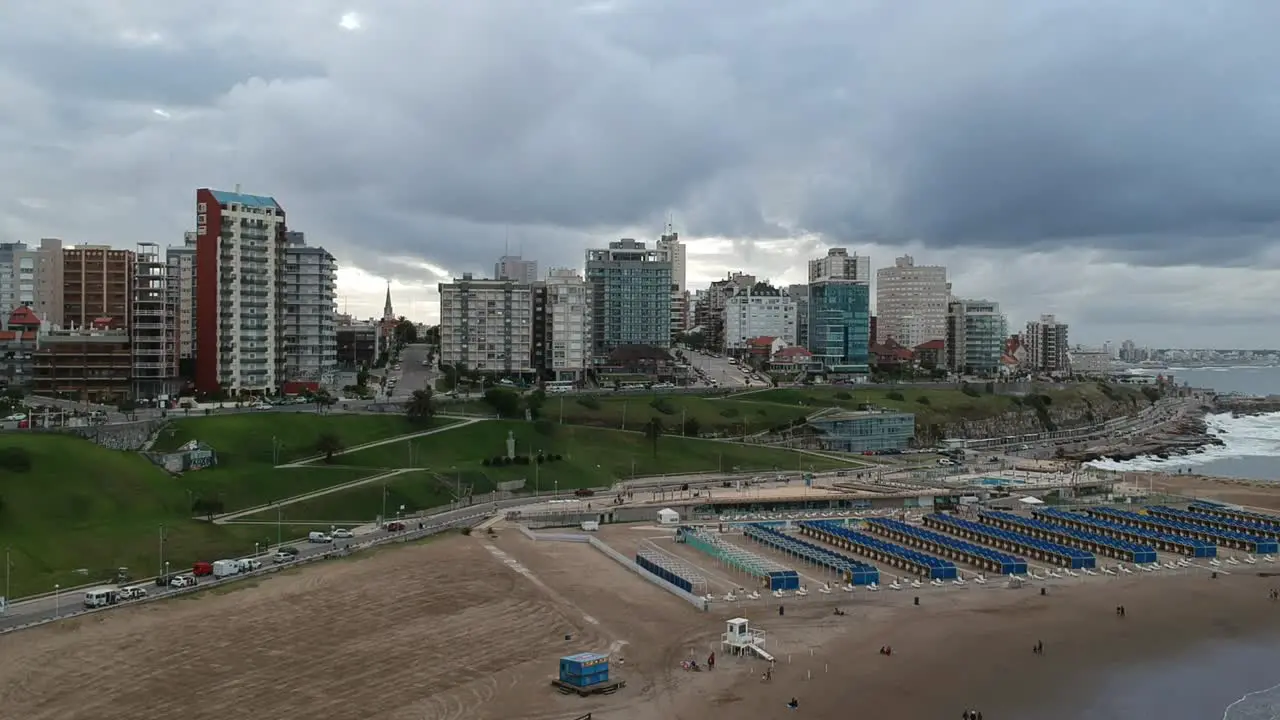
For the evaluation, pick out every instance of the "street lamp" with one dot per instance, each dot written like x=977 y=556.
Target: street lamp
x=57 y=600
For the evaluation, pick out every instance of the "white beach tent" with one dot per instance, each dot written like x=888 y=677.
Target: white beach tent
x=667 y=516
x=1028 y=500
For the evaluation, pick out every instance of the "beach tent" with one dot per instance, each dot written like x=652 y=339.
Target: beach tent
x=667 y=516
x=1028 y=500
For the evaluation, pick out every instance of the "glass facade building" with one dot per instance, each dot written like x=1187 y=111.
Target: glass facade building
x=630 y=296
x=840 y=325
x=861 y=431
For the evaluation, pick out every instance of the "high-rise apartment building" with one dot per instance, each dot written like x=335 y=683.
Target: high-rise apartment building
x=709 y=313
x=630 y=296
x=152 y=329
x=976 y=335
x=1046 y=345
x=240 y=254
x=181 y=267
x=840 y=265
x=487 y=325
x=799 y=295
x=568 y=312
x=49 y=281
x=310 y=290
x=840 y=325
x=97 y=283
x=911 y=302
x=758 y=311
x=17 y=277
x=516 y=268
x=678 y=253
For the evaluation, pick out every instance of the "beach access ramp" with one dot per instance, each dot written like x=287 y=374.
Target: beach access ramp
x=761 y=652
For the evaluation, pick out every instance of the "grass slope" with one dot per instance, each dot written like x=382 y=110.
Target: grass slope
x=592 y=456
x=411 y=491
x=82 y=506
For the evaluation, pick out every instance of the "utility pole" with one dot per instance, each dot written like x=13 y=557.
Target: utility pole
x=624 y=415
x=162 y=552
x=8 y=565
x=384 y=502
x=683 y=412
x=279 y=523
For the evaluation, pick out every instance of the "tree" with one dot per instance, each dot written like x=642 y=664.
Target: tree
x=405 y=332
x=328 y=443
x=420 y=408
x=322 y=400
x=691 y=427
x=208 y=508
x=505 y=402
x=534 y=402
x=362 y=377
x=654 y=430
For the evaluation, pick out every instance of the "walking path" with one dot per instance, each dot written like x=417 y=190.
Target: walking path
x=462 y=422
x=231 y=516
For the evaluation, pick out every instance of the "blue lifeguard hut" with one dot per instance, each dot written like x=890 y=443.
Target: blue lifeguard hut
x=584 y=670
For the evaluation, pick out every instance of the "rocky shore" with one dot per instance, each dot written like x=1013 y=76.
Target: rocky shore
x=1184 y=436
x=1239 y=406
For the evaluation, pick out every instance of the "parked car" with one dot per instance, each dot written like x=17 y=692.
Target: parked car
x=133 y=592
x=249 y=564
x=182 y=581
x=319 y=537
x=343 y=534
x=584 y=492
x=396 y=526
x=289 y=549
x=282 y=557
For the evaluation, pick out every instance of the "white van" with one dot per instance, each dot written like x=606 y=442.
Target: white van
x=319 y=537
x=226 y=568
x=101 y=597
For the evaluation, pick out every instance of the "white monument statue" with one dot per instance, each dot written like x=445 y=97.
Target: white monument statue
x=511 y=444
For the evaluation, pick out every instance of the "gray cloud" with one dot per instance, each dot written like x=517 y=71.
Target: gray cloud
x=1144 y=132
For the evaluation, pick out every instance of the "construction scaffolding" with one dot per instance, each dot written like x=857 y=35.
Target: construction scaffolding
x=155 y=363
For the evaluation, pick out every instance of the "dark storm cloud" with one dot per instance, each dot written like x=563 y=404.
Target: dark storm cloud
x=1147 y=130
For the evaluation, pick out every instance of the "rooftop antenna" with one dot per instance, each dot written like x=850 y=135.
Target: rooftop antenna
x=506 y=242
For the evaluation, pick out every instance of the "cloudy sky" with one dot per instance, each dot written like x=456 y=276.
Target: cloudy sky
x=1115 y=163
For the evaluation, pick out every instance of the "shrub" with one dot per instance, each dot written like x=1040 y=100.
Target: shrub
x=969 y=390
x=521 y=459
x=486 y=462
x=923 y=399
x=16 y=459
x=842 y=395
x=895 y=396
x=662 y=405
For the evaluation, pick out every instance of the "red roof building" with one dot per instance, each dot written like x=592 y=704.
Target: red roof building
x=890 y=353
x=931 y=354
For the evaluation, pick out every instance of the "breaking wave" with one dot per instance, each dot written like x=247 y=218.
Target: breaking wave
x=1260 y=705
x=1250 y=436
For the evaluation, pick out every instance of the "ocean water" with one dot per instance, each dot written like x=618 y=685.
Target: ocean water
x=1232 y=680
x=1251 y=448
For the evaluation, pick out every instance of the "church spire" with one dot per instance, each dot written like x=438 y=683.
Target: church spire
x=387 y=312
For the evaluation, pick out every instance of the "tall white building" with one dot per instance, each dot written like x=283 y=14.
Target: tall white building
x=1046 y=345
x=514 y=267
x=911 y=302
x=240 y=253
x=840 y=265
x=759 y=311
x=487 y=325
x=181 y=286
x=17 y=277
x=568 y=321
x=678 y=255
x=310 y=335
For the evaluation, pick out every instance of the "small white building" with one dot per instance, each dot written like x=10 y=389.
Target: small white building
x=667 y=516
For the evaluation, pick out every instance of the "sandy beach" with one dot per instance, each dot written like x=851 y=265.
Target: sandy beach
x=471 y=627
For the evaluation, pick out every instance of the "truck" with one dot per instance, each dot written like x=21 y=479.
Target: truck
x=226 y=568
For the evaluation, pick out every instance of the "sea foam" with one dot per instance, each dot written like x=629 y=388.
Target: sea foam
x=1247 y=436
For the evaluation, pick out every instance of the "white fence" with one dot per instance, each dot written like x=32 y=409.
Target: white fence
x=628 y=563
x=402 y=537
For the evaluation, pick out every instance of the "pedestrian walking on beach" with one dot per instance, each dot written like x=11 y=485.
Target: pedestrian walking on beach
x=1123 y=612
x=711 y=661
x=781 y=611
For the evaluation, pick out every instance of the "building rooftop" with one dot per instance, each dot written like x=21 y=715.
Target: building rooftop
x=260 y=201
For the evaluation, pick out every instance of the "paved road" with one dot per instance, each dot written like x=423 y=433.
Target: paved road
x=719 y=369
x=23 y=612
x=413 y=375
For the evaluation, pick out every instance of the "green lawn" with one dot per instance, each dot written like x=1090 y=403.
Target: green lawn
x=929 y=405
x=413 y=491
x=722 y=417
x=591 y=456
x=271 y=438
x=83 y=507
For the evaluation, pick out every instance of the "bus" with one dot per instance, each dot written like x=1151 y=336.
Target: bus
x=558 y=386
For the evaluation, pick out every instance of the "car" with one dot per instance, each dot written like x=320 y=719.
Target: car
x=283 y=557
x=343 y=534
x=260 y=406
x=183 y=581
x=395 y=526
x=16 y=417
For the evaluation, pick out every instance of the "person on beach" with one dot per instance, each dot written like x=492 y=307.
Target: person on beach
x=781 y=611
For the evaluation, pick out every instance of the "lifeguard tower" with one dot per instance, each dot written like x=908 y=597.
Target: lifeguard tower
x=740 y=638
